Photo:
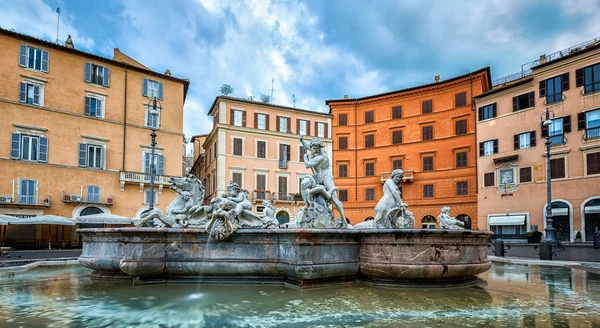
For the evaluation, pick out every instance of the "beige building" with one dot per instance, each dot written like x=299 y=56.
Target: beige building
x=257 y=146
x=75 y=135
x=512 y=164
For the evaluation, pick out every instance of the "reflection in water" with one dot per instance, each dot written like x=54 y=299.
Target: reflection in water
x=506 y=296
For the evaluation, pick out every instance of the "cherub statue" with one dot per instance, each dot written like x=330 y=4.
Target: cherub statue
x=448 y=222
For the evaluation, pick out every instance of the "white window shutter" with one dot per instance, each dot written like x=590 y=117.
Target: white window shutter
x=145 y=87
x=98 y=108
x=43 y=150
x=161 y=164
x=45 y=61
x=36 y=95
x=103 y=157
x=87 y=76
x=160 y=91
x=23 y=92
x=15 y=146
x=86 y=111
x=23 y=56
x=83 y=154
x=106 y=76
x=146 y=168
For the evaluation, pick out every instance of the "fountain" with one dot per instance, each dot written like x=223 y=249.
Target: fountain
x=225 y=242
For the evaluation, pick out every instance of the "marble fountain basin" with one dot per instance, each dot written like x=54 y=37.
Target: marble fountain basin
x=300 y=258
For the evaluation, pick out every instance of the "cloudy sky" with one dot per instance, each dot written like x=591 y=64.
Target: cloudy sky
x=315 y=50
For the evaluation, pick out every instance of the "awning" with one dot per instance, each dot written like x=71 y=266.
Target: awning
x=507 y=220
x=560 y=211
x=103 y=218
x=592 y=209
x=7 y=219
x=45 y=219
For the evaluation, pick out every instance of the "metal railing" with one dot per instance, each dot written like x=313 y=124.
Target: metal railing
x=557 y=140
x=283 y=164
x=77 y=197
x=592 y=133
x=32 y=200
x=512 y=77
x=138 y=177
x=261 y=195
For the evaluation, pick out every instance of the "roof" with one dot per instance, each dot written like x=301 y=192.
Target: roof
x=198 y=136
x=571 y=54
x=509 y=85
x=78 y=52
x=422 y=86
x=254 y=102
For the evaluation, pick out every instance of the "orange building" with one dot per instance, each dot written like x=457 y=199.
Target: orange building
x=428 y=131
x=75 y=136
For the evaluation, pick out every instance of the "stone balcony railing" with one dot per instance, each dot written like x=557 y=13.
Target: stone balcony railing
x=143 y=179
x=408 y=176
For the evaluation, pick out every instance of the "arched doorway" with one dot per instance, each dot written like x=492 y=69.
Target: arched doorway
x=89 y=211
x=590 y=217
x=428 y=222
x=465 y=219
x=283 y=217
x=562 y=213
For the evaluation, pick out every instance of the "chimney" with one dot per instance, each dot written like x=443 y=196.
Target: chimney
x=168 y=72
x=345 y=96
x=436 y=79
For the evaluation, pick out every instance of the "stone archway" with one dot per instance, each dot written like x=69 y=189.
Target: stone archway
x=465 y=219
x=79 y=209
x=290 y=215
x=590 y=218
x=428 y=222
x=563 y=222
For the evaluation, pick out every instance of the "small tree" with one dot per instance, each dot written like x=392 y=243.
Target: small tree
x=265 y=98
x=226 y=90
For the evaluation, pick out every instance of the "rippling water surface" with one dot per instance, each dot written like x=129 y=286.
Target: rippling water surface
x=506 y=296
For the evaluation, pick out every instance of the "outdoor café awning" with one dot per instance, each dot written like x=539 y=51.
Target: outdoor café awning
x=103 y=218
x=560 y=211
x=45 y=219
x=7 y=219
x=507 y=220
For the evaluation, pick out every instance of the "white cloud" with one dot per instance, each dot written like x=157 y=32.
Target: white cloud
x=35 y=18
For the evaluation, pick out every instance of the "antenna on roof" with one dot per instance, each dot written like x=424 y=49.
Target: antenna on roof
x=57 y=22
x=272 y=89
x=294 y=100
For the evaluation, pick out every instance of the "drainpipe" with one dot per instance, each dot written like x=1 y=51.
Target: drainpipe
x=124 y=119
x=355 y=150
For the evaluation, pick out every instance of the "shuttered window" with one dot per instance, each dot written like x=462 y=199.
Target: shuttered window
x=369 y=141
x=29 y=148
x=31 y=93
x=488 y=179
x=487 y=112
x=343 y=143
x=370 y=194
x=27 y=191
x=94 y=106
x=525 y=174
x=159 y=163
x=152 y=89
x=343 y=119
x=427 y=132
x=261 y=182
x=557 y=168
x=97 y=74
x=461 y=159
x=237 y=178
x=34 y=58
x=427 y=163
x=426 y=107
x=369 y=116
x=397 y=164
x=397 y=112
x=461 y=127
x=93 y=194
x=343 y=170
x=460 y=99
x=526 y=100
x=589 y=78
x=462 y=188
x=370 y=169
x=343 y=195
x=593 y=163
x=261 y=149
x=397 y=137
x=428 y=191
x=237 y=147
x=553 y=88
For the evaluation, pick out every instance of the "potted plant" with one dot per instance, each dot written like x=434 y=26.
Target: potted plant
x=297 y=196
x=534 y=237
x=578 y=237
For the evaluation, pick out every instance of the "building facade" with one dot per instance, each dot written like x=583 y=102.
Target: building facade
x=511 y=147
x=75 y=136
x=428 y=131
x=257 y=146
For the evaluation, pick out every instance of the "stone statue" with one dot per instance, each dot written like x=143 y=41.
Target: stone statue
x=269 y=210
x=318 y=191
x=389 y=208
x=448 y=222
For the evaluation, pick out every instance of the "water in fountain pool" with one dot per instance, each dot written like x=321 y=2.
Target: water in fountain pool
x=506 y=296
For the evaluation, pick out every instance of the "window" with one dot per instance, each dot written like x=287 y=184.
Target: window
x=488 y=147
x=427 y=132
x=397 y=137
x=147 y=196
x=343 y=170
x=590 y=122
x=237 y=178
x=301 y=154
x=99 y=75
x=27 y=191
x=237 y=147
x=343 y=143
x=487 y=112
x=261 y=149
x=261 y=183
x=552 y=88
x=282 y=184
x=261 y=121
x=369 y=116
x=93 y=194
x=507 y=177
x=523 y=101
x=302 y=127
x=92 y=156
x=152 y=121
x=238 y=117
x=283 y=124
x=31 y=93
x=499 y=230
x=488 y=179
x=29 y=148
x=397 y=164
x=461 y=159
x=94 y=106
x=370 y=194
x=427 y=163
x=343 y=119
x=426 y=107
x=343 y=195
x=370 y=169
x=159 y=163
x=284 y=155
x=557 y=168
x=428 y=191
x=525 y=175
x=461 y=127
x=557 y=130
x=321 y=130
x=589 y=78
x=397 y=112
x=215 y=149
x=369 y=141
x=593 y=163
x=33 y=58
x=428 y=222
x=524 y=140
x=462 y=188
x=152 y=89
x=460 y=99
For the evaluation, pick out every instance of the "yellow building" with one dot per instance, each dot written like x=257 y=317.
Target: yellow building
x=75 y=136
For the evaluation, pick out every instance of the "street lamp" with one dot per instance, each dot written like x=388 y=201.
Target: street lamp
x=153 y=116
x=550 y=238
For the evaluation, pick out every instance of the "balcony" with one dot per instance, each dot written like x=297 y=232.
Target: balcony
x=408 y=176
x=557 y=140
x=77 y=198
x=9 y=200
x=142 y=179
x=592 y=133
x=260 y=195
x=283 y=164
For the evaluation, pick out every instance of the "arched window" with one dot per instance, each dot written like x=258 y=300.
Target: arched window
x=591 y=212
x=283 y=217
x=465 y=219
x=89 y=211
x=428 y=222
x=561 y=220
